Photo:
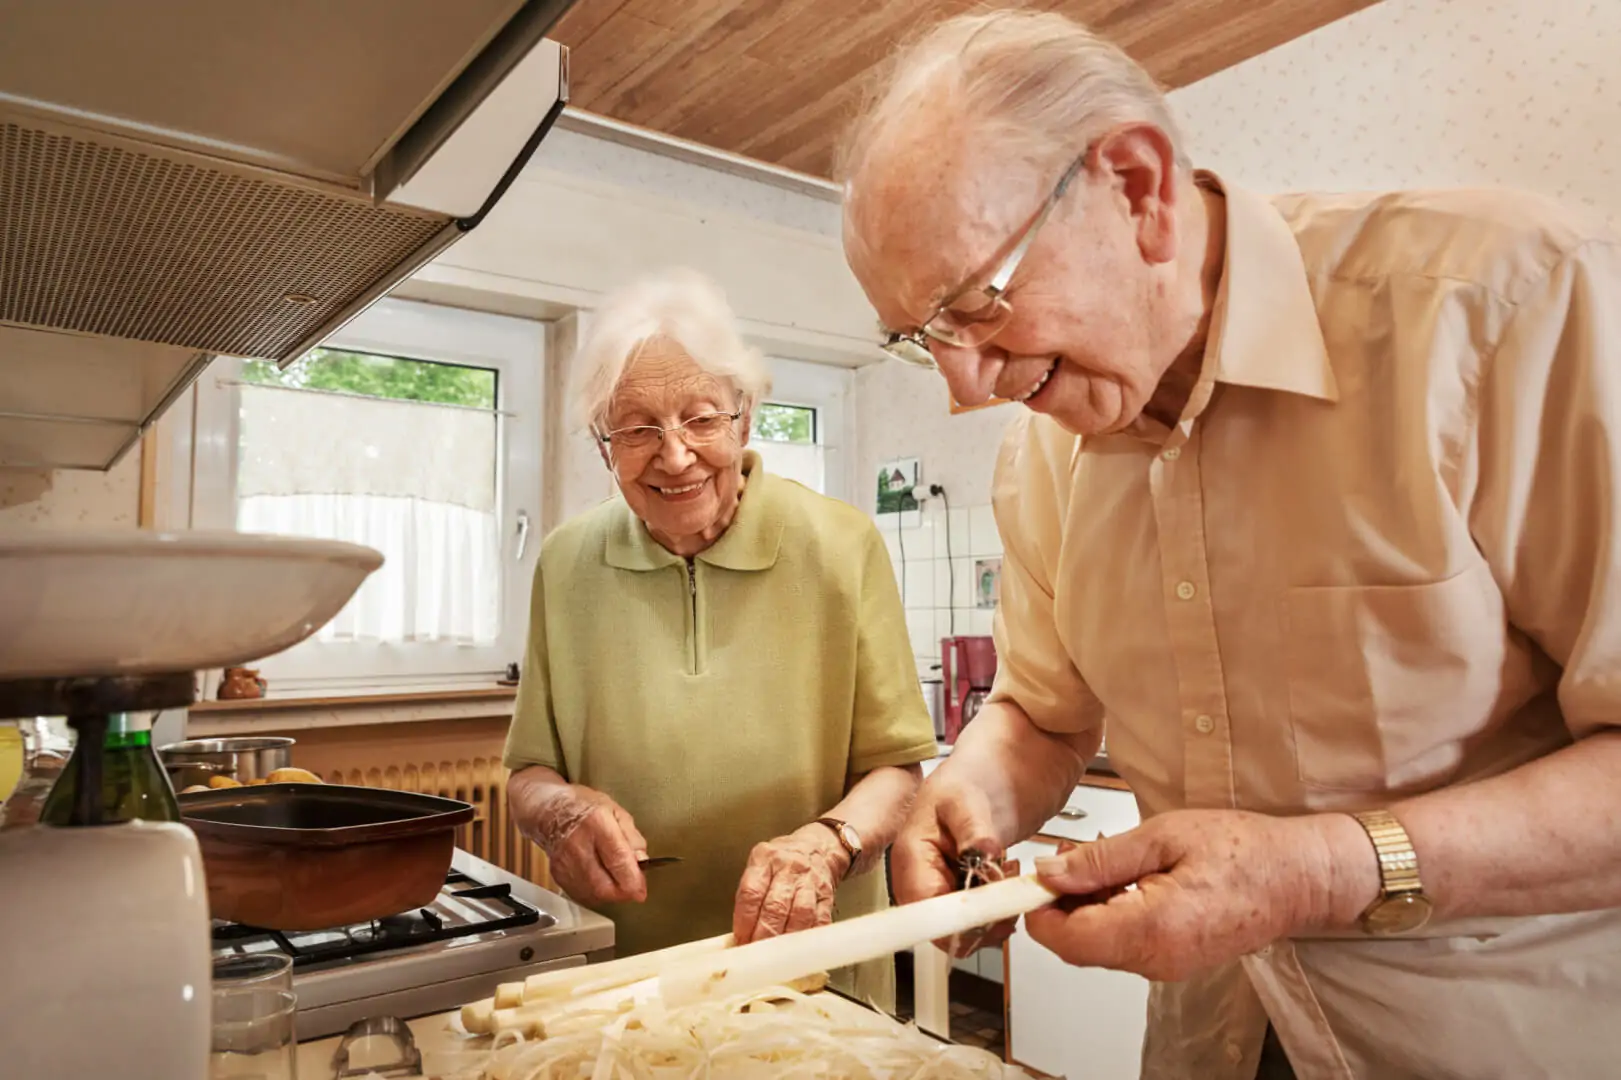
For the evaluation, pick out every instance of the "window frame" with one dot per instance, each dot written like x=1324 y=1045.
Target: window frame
x=826 y=389
x=516 y=349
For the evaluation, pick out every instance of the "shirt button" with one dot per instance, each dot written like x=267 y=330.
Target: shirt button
x=1184 y=590
x=1235 y=1053
x=1204 y=724
x=1172 y=454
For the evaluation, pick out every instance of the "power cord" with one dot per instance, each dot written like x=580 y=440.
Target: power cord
x=900 y=541
x=951 y=565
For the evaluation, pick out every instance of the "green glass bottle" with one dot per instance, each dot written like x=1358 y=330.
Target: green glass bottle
x=134 y=784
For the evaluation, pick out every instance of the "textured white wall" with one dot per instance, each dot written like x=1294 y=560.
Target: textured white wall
x=72 y=499
x=1427 y=93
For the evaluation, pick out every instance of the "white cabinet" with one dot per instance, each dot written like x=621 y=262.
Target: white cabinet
x=1082 y=1023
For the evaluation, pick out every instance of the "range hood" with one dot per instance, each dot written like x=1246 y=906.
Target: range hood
x=181 y=179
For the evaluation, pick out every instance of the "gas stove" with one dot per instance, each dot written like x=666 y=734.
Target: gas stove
x=485 y=927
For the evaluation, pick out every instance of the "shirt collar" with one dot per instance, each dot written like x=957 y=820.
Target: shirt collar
x=750 y=542
x=1264 y=331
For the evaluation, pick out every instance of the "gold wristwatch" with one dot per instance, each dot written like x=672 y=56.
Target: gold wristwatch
x=1401 y=906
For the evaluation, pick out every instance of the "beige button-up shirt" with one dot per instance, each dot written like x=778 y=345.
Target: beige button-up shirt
x=1379 y=554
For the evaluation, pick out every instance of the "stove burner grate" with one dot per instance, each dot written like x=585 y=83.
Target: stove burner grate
x=463 y=908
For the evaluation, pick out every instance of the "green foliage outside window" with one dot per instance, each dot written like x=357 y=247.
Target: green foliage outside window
x=786 y=423
x=381 y=377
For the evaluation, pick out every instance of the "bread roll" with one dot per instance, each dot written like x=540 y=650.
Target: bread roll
x=293 y=776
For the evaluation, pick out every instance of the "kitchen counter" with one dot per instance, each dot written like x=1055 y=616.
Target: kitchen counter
x=448 y=1052
x=446 y=1049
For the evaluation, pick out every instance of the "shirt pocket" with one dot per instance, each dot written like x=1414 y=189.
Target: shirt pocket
x=1387 y=681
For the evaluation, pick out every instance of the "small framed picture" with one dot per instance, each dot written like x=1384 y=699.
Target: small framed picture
x=987 y=582
x=897 y=483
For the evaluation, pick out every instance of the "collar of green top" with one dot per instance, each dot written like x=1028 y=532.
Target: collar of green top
x=750 y=543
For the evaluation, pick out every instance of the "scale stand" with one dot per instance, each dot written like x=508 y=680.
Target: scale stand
x=87 y=701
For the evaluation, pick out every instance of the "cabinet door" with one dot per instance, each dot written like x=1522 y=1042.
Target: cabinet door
x=1069 y=1021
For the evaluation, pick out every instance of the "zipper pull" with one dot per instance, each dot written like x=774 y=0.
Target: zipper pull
x=692 y=580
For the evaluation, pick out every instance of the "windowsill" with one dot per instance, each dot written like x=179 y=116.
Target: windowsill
x=256 y=715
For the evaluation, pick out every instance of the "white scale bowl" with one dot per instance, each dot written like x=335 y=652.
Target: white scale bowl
x=136 y=602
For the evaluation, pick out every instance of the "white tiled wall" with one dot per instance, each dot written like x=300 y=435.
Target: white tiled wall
x=939 y=587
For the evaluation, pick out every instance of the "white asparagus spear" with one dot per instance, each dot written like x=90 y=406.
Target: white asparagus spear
x=477 y=1016
x=779 y=960
x=542 y=1019
x=574 y=981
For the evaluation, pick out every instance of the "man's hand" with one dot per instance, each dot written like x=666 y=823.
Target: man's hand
x=591 y=843
x=1211 y=886
x=946 y=822
x=789 y=884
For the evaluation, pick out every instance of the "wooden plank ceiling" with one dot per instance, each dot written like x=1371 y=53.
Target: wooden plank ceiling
x=776 y=80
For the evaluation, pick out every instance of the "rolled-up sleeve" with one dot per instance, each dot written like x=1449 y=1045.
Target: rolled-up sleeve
x=891 y=725
x=1546 y=509
x=1033 y=669
x=532 y=738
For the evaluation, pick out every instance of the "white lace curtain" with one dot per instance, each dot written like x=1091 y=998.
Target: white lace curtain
x=413 y=480
x=804 y=462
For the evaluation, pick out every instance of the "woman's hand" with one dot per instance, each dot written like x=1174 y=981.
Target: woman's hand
x=591 y=842
x=789 y=884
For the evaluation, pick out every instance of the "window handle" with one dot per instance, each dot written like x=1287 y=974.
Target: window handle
x=523 y=533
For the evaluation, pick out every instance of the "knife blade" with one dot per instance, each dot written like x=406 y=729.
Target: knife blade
x=662 y=860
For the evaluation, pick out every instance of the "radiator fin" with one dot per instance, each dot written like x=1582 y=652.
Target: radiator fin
x=491 y=835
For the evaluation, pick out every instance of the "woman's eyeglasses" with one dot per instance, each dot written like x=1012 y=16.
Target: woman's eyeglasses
x=705 y=429
x=971 y=316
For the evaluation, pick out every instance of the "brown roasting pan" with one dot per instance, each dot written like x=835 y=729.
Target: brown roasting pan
x=316 y=856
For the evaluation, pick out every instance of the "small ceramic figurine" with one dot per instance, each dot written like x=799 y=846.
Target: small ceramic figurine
x=240 y=683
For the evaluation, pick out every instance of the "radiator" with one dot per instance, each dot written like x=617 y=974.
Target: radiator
x=491 y=835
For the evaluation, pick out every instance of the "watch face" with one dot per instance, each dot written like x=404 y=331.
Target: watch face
x=1398 y=914
x=851 y=838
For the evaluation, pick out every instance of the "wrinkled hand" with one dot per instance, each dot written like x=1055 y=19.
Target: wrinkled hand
x=1210 y=887
x=789 y=884
x=924 y=859
x=591 y=843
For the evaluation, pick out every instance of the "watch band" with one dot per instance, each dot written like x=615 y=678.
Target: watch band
x=1398 y=862
x=1401 y=904
x=844 y=832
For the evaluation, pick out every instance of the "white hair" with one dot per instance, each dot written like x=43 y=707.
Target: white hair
x=678 y=305
x=1039 y=84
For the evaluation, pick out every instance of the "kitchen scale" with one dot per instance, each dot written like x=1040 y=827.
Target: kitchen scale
x=104 y=928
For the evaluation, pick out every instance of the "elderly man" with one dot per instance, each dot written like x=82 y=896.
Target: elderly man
x=1317 y=500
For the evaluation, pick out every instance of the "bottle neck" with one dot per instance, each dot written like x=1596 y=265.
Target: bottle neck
x=125 y=730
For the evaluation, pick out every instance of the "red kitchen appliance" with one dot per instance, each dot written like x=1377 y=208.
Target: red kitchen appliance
x=968 y=667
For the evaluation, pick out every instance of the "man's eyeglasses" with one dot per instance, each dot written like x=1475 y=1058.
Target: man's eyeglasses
x=971 y=316
x=705 y=429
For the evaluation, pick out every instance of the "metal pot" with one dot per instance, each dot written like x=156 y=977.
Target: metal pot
x=934 y=695
x=243 y=759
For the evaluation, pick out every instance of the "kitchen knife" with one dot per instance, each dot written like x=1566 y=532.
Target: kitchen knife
x=662 y=860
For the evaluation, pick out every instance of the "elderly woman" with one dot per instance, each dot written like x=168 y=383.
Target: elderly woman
x=718 y=664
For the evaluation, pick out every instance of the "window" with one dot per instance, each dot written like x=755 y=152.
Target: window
x=800 y=433
x=414 y=431
x=785 y=436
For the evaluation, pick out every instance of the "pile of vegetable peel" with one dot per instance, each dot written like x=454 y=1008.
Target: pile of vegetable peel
x=779 y=1034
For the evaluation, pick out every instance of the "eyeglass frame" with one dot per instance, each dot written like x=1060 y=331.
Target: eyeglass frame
x=995 y=289
x=606 y=437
